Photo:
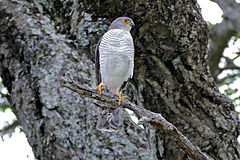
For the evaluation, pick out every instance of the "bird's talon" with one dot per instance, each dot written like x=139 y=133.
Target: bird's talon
x=120 y=98
x=100 y=87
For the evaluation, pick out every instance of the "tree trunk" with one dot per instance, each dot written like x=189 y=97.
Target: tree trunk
x=42 y=40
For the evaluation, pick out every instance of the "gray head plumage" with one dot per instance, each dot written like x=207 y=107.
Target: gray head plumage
x=124 y=23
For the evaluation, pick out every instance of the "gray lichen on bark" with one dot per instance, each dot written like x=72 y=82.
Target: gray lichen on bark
x=58 y=123
x=171 y=77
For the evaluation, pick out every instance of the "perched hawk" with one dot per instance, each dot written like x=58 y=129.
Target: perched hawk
x=114 y=65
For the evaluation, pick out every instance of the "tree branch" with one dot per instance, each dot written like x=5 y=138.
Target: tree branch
x=221 y=33
x=147 y=116
x=225 y=4
x=9 y=129
x=230 y=63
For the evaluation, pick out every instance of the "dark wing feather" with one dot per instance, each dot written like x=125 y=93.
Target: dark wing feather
x=97 y=63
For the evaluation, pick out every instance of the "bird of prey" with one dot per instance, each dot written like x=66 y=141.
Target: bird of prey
x=114 y=64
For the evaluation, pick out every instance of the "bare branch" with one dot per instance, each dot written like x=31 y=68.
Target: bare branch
x=221 y=33
x=226 y=4
x=238 y=54
x=9 y=129
x=147 y=116
x=230 y=64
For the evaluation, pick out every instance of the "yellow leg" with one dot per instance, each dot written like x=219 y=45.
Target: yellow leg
x=120 y=98
x=100 y=87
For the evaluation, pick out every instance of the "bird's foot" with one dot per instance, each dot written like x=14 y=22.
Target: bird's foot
x=100 y=87
x=120 y=98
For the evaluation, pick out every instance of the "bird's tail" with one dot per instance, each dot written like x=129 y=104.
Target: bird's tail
x=109 y=121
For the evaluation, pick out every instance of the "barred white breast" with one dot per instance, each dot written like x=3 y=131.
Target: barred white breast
x=116 y=56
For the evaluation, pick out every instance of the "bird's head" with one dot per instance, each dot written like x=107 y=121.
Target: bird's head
x=124 y=23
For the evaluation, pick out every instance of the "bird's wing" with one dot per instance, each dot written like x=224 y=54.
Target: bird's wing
x=130 y=73
x=97 y=63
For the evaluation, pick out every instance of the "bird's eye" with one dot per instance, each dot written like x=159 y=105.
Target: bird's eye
x=125 y=20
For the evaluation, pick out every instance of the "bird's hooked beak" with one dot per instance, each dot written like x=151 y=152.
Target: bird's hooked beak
x=132 y=24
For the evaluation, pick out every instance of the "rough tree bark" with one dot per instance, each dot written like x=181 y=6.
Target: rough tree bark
x=41 y=40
